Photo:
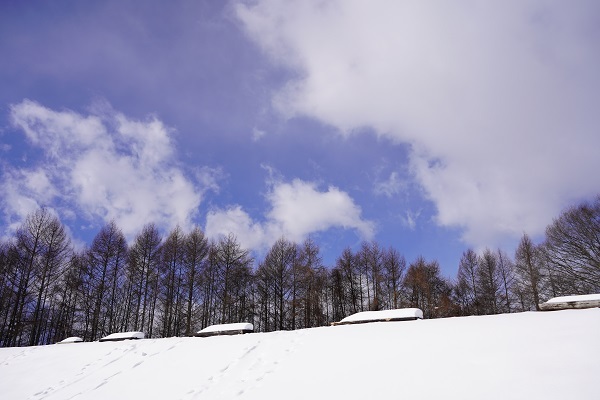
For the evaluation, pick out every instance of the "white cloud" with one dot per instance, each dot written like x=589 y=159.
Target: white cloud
x=497 y=99
x=251 y=235
x=297 y=209
x=102 y=166
x=17 y=198
x=301 y=208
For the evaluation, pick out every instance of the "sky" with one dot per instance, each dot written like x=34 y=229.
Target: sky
x=532 y=355
x=431 y=127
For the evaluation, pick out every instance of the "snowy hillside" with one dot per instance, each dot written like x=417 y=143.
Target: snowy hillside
x=553 y=355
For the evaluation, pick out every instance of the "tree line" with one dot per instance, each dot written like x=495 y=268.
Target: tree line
x=181 y=283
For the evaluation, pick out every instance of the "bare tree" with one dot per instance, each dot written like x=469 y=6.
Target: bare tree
x=106 y=261
x=573 y=248
x=370 y=261
x=56 y=252
x=9 y=277
x=528 y=272
x=467 y=283
x=336 y=295
x=67 y=313
x=171 y=280
x=507 y=278
x=209 y=289
x=194 y=262
x=33 y=260
x=311 y=278
x=275 y=278
x=427 y=290
x=394 y=265
x=349 y=290
x=233 y=276
x=142 y=279
x=488 y=280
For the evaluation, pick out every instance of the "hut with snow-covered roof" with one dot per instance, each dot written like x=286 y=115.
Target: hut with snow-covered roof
x=571 y=302
x=72 y=339
x=226 y=329
x=401 y=314
x=115 y=337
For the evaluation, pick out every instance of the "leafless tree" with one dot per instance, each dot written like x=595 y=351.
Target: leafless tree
x=232 y=276
x=507 y=278
x=394 y=265
x=106 y=262
x=56 y=252
x=142 y=279
x=349 y=290
x=310 y=277
x=41 y=248
x=573 y=248
x=194 y=262
x=467 y=283
x=171 y=282
x=427 y=290
x=9 y=277
x=370 y=261
x=489 y=282
x=275 y=280
x=529 y=273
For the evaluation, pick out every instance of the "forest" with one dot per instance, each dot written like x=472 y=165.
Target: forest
x=178 y=284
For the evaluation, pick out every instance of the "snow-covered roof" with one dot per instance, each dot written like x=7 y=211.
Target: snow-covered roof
x=242 y=326
x=123 y=336
x=566 y=299
x=384 y=315
x=72 y=339
x=571 y=302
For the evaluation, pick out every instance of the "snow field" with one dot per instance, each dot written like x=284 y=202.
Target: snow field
x=553 y=355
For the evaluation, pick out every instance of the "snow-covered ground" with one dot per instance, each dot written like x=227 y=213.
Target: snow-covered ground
x=552 y=355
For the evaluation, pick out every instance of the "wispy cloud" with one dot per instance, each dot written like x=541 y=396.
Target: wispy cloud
x=410 y=218
x=389 y=187
x=102 y=167
x=297 y=209
x=495 y=99
x=258 y=134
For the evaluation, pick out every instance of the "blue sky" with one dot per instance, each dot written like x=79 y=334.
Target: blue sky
x=431 y=127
